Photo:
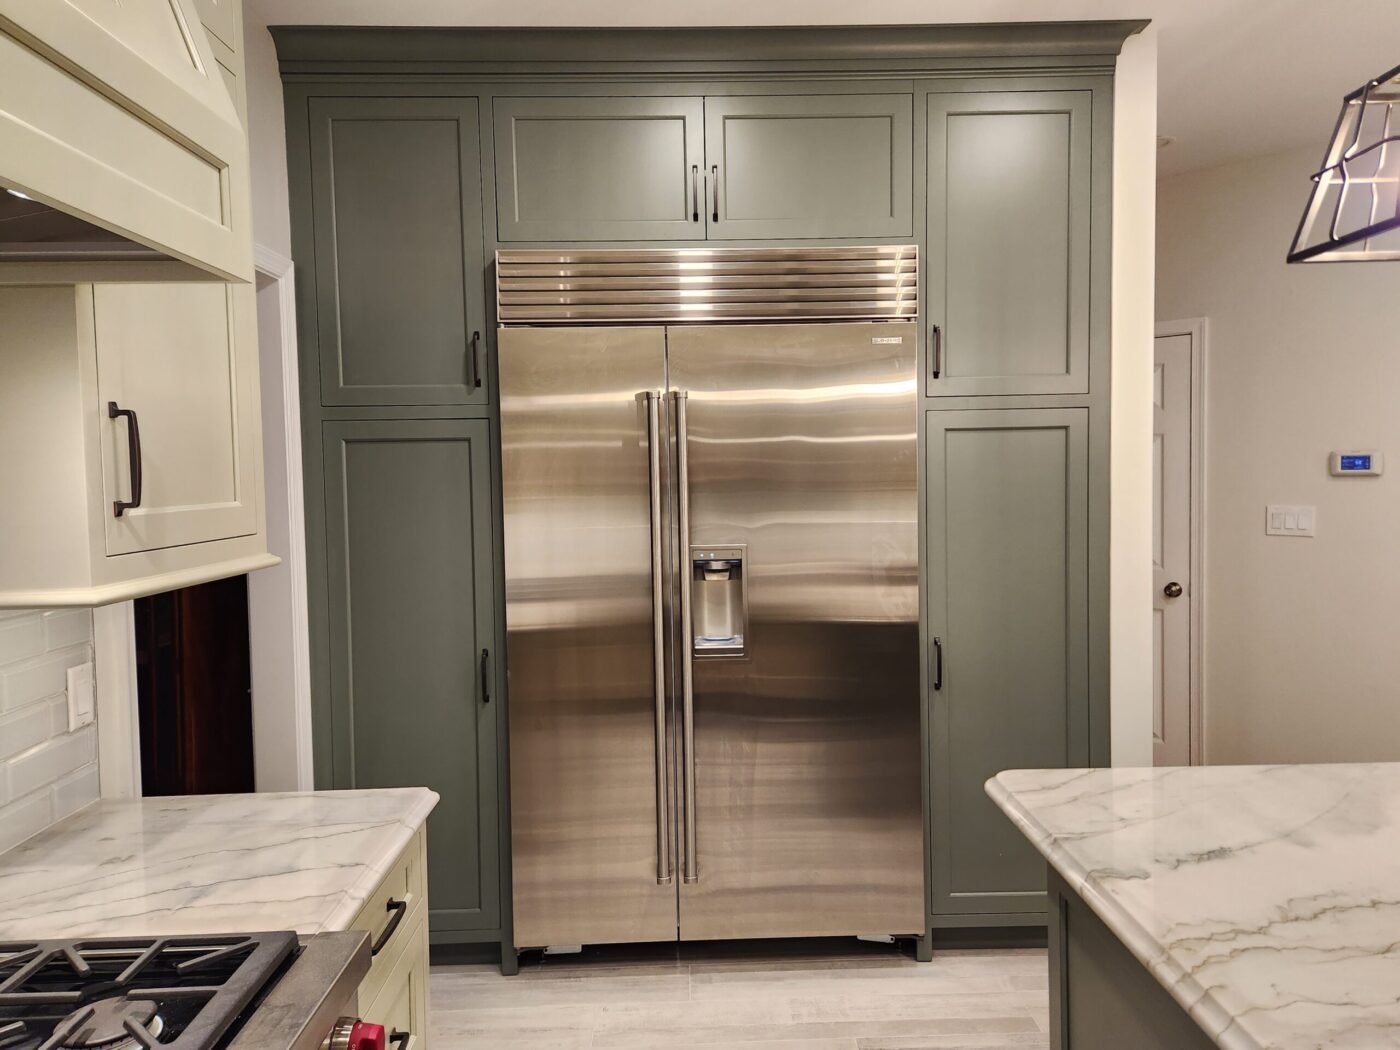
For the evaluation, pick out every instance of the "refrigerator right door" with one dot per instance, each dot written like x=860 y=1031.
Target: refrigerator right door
x=797 y=450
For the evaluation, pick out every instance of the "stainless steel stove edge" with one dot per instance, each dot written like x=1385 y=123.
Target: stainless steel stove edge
x=304 y=1004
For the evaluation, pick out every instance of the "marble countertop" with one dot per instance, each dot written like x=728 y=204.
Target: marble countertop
x=303 y=861
x=1265 y=899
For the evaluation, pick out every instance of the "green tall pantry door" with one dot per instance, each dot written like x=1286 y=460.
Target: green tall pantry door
x=1008 y=582
x=411 y=608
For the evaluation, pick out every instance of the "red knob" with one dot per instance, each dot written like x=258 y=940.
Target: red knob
x=366 y=1036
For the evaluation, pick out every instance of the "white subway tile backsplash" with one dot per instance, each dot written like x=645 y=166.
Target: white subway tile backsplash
x=75 y=791
x=27 y=727
x=30 y=680
x=46 y=772
x=28 y=816
x=65 y=627
x=20 y=637
x=49 y=762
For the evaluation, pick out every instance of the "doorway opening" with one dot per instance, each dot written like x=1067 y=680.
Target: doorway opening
x=1178 y=438
x=193 y=683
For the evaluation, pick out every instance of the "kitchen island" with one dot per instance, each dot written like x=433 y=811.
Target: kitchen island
x=311 y=862
x=1245 y=907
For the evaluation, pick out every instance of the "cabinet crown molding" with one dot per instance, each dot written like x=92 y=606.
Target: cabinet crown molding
x=464 y=49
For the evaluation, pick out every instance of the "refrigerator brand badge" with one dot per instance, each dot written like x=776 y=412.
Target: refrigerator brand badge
x=887 y=339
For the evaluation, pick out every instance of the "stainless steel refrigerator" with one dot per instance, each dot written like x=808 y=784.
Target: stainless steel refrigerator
x=712 y=610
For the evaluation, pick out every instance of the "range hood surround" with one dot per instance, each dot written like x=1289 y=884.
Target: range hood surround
x=117 y=117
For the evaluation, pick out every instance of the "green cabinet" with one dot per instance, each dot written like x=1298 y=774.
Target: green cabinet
x=724 y=167
x=413 y=629
x=597 y=169
x=809 y=166
x=1008 y=629
x=400 y=273
x=1007 y=267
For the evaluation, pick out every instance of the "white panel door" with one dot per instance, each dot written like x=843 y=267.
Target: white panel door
x=1171 y=552
x=170 y=353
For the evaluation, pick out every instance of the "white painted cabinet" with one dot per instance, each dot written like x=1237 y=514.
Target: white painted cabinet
x=119 y=114
x=183 y=358
x=395 y=992
x=131 y=424
x=188 y=391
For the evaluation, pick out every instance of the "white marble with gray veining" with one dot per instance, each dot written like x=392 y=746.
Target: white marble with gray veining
x=303 y=861
x=1266 y=899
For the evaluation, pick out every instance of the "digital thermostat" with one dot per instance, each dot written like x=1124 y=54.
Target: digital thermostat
x=1360 y=464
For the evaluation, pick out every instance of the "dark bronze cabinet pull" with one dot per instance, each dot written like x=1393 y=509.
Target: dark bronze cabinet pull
x=714 y=173
x=478 y=366
x=937 y=664
x=936 y=337
x=485 y=677
x=398 y=908
x=695 y=193
x=133 y=452
x=400 y=1038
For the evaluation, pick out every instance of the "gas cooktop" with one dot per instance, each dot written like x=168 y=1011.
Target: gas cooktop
x=171 y=993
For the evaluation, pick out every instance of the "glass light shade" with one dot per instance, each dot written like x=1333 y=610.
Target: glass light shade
x=1353 y=213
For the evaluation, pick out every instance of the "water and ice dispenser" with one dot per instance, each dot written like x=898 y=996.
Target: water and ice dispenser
x=719 y=600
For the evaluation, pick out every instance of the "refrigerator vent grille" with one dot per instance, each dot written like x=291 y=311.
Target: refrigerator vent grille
x=696 y=285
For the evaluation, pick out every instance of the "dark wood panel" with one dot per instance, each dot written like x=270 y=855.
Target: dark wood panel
x=194 y=690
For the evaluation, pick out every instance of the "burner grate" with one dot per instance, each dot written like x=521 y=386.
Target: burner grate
x=52 y=991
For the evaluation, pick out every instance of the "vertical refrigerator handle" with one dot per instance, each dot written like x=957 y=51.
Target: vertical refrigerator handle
x=690 y=868
x=658 y=637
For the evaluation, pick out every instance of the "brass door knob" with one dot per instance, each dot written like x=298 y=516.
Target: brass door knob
x=1172 y=590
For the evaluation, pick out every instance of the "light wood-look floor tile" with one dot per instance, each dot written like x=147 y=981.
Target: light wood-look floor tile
x=825 y=995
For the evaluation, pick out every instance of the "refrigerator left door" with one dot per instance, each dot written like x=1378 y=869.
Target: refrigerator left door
x=583 y=470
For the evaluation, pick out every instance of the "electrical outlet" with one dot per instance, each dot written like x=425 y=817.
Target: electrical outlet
x=1281 y=520
x=82 y=702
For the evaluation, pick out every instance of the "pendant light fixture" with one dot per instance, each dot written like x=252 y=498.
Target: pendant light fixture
x=1353 y=214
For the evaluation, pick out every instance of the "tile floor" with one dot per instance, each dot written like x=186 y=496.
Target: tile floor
x=841 y=995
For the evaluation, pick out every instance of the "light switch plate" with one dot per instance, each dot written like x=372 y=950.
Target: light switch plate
x=1290 y=520
x=81 y=699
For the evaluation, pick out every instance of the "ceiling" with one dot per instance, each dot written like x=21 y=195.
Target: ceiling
x=1237 y=78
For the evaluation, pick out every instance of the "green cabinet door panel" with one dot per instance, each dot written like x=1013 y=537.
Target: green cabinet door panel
x=599 y=168
x=782 y=166
x=400 y=271
x=1007 y=565
x=411 y=607
x=1007 y=265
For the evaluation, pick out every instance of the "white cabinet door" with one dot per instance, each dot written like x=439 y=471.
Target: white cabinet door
x=169 y=354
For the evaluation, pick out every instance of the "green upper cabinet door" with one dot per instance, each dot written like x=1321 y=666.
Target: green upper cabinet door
x=1008 y=242
x=400 y=270
x=411 y=610
x=793 y=166
x=599 y=169
x=1008 y=584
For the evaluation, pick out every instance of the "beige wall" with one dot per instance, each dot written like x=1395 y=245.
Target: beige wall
x=1301 y=658
x=1134 y=155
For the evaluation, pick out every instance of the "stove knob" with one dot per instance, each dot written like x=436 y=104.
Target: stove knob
x=367 y=1036
x=350 y=1033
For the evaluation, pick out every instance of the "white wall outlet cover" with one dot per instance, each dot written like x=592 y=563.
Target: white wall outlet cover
x=1285 y=520
x=82 y=701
